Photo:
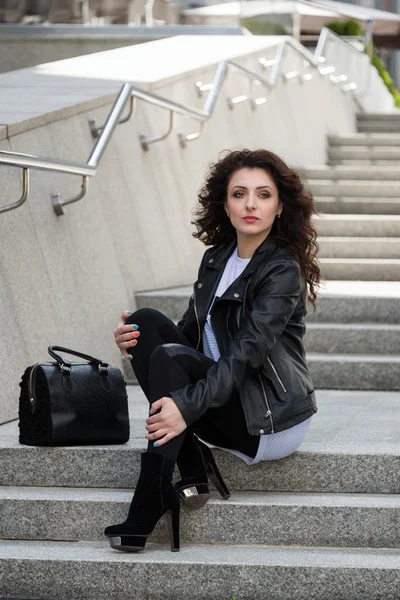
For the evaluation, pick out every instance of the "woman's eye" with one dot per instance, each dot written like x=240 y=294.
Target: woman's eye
x=238 y=194
x=265 y=195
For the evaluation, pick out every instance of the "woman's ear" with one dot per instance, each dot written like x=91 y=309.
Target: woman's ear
x=226 y=208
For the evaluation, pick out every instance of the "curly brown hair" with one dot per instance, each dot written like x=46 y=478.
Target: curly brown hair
x=294 y=230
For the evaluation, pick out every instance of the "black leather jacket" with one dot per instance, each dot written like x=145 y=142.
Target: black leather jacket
x=259 y=326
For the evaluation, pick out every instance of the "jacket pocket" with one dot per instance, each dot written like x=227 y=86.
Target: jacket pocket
x=304 y=404
x=278 y=377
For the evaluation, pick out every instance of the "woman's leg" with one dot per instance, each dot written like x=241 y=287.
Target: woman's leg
x=163 y=361
x=155 y=329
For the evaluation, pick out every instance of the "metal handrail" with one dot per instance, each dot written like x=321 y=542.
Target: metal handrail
x=104 y=133
x=88 y=169
x=324 y=38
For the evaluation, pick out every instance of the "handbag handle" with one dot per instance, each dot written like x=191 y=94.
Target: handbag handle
x=100 y=363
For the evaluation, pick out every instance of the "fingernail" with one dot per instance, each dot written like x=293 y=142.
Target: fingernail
x=128 y=312
x=135 y=326
x=155 y=445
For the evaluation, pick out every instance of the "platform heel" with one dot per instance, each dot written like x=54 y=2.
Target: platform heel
x=155 y=497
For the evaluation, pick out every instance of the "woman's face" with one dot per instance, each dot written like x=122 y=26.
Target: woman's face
x=252 y=192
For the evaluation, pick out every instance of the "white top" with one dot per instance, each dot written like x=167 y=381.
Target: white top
x=233 y=268
x=274 y=445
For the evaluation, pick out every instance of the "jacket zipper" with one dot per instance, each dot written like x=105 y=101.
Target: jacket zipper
x=197 y=320
x=269 y=413
x=276 y=373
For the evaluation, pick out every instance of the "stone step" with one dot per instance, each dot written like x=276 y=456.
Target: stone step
x=385 y=153
x=358 y=247
x=72 y=514
x=350 y=189
x=92 y=571
x=355 y=371
x=348 y=172
x=342 y=453
x=341 y=301
x=357 y=162
x=382 y=117
x=365 y=139
x=366 y=269
x=352 y=338
x=358 y=225
x=379 y=127
x=341 y=205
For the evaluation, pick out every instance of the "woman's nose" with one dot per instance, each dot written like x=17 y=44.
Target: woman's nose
x=250 y=203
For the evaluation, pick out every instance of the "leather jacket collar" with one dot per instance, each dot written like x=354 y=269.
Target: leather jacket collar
x=219 y=256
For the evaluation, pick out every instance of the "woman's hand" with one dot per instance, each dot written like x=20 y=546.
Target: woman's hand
x=166 y=424
x=125 y=335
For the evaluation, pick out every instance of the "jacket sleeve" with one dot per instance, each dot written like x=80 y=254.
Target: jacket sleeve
x=181 y=322
x=260 y=328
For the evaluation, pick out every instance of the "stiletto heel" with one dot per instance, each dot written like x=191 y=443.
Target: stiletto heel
x=172 y=518
x=198 y=458
x=215 y=477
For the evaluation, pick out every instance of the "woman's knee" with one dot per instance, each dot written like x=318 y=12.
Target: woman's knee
x=173 y=350
x=172 y=356
x=145 y=315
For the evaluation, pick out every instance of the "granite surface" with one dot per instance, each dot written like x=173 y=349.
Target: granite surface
x=84 y=571
x=339 y=520
x=352 y=446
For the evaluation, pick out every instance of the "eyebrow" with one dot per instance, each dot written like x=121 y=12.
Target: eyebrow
x=260 y=187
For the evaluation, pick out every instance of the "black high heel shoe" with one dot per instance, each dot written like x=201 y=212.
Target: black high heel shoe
x=197 y=465
x=155 y=497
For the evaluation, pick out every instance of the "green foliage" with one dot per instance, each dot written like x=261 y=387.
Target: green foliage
x=350 y=27
x=353 y=28
x=258 y=26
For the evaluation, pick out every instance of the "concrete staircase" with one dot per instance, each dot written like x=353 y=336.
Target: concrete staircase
x=322 y=524
x=327 y=528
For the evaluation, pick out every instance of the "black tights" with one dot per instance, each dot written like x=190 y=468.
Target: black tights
x=163 y=361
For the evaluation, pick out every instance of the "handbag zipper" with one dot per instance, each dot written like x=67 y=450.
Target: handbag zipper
x=276 y=373
x=31 y=398
x=269 y=412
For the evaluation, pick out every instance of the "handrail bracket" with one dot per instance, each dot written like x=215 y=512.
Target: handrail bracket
x=146 y=140
x=58 y=203
x=25 y=192
x=96 y=131
x=184 y=139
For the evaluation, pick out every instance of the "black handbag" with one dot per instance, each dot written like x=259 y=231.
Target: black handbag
x=73 y=403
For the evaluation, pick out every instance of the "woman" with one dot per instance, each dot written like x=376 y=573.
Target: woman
x=233 y=372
